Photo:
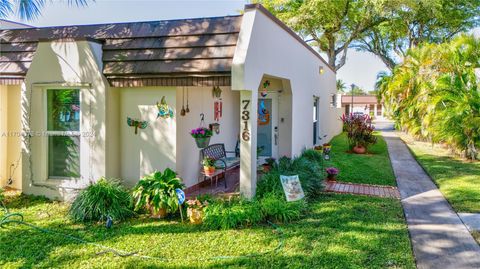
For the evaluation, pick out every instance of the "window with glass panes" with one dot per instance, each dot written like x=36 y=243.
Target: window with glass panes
x=63 y=130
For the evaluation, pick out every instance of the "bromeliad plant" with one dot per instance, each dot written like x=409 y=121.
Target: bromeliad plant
x=359 y=131
x=156 y=192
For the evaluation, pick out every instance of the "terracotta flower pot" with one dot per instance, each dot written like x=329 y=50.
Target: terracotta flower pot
x=159 y=214
x=359 y=149
x=195 y=215
x=331 y=177
x=266 y=168
x=209 y=170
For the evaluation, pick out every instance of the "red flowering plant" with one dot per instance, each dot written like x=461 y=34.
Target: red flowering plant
x=359 y=130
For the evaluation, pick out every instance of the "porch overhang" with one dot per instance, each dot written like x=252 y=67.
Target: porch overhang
x=6 y=81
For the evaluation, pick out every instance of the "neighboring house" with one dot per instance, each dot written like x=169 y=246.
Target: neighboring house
x=366 y=104
x=6 y=24
x=72 y=88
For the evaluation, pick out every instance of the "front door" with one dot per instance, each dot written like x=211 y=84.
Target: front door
x=267 y=130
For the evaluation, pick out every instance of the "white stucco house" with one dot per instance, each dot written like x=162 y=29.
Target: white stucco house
x=66 y=93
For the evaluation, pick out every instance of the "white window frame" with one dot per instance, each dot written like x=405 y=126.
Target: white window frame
x=60 y=133
x=316 y=119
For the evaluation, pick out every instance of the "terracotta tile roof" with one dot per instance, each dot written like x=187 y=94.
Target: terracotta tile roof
x=181 y=48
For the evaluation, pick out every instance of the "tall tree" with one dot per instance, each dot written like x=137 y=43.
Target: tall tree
x=31 y=9
x=341 y=86
x=413 y=22
x=331 y=26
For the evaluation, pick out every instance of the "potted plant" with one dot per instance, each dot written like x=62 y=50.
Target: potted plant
x=269 y=162
x=332 y=173
x=195 y=210
x=359 y=130
x=318 y=148
x=208 y=166
x=326 y=148
x=156 y=193
x=202 y=136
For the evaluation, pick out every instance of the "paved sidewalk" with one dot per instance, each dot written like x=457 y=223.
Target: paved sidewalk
x=439 y=238
x=362 y=189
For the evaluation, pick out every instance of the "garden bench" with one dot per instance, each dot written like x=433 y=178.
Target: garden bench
x=222 y=163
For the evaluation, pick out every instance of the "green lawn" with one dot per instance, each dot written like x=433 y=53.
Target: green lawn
x=372 y=168
x=341 y=231
x=457 y=179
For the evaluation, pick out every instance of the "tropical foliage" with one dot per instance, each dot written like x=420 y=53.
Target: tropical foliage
x=157 y=191
x=359 y=130
x=435 y=94
x=412 y=23
x=30 y=9
x=106 y=198
x=341 y=86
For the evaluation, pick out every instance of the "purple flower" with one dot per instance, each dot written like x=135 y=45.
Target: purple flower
x=332 y=171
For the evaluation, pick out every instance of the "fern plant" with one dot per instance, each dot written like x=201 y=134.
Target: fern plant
x=100 y=200
x=157 y=191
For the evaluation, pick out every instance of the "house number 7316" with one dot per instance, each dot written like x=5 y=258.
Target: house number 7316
x=245 y=118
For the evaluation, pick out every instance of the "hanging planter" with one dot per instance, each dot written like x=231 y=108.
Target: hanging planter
x=201 y=134
x=202 y=142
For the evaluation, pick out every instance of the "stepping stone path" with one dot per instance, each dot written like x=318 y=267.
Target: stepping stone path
x=362 y=189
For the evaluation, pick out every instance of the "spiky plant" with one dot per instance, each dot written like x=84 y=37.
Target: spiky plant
x=100 y=200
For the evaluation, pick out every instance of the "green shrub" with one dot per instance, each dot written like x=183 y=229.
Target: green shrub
x=269 y=183
x=105 y=198
x=312 y=155
x=307 y=169
x=2 y=196
x=157 y=190
x=232 y=214
x=275 y=208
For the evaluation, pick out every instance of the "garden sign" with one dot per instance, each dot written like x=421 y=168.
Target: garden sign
x=292 y=188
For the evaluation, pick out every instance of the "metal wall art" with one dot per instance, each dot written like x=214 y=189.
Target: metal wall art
x=264 y=92
x=137 y=124
x=164 y=110
x=217 y=104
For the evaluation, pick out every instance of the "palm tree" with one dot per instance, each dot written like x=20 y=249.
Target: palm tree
x=30 y=9
x=341 y=86
x=435 y=94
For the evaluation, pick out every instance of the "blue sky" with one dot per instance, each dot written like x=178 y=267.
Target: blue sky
x=361 y=68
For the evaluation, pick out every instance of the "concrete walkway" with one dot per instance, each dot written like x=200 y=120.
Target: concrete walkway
x=439 y=238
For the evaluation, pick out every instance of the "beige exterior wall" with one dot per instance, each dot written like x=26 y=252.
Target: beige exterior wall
x=265 y=48
x=153 y=148
x=76 y=65
x=167 y=142
x=10 y=135
x=201 y=101
x=3 y=135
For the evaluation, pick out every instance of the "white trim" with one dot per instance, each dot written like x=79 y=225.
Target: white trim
x=58 y=133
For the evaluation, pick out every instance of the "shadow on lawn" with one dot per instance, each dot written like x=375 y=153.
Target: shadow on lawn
x=344 y=227
x=456 y=178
